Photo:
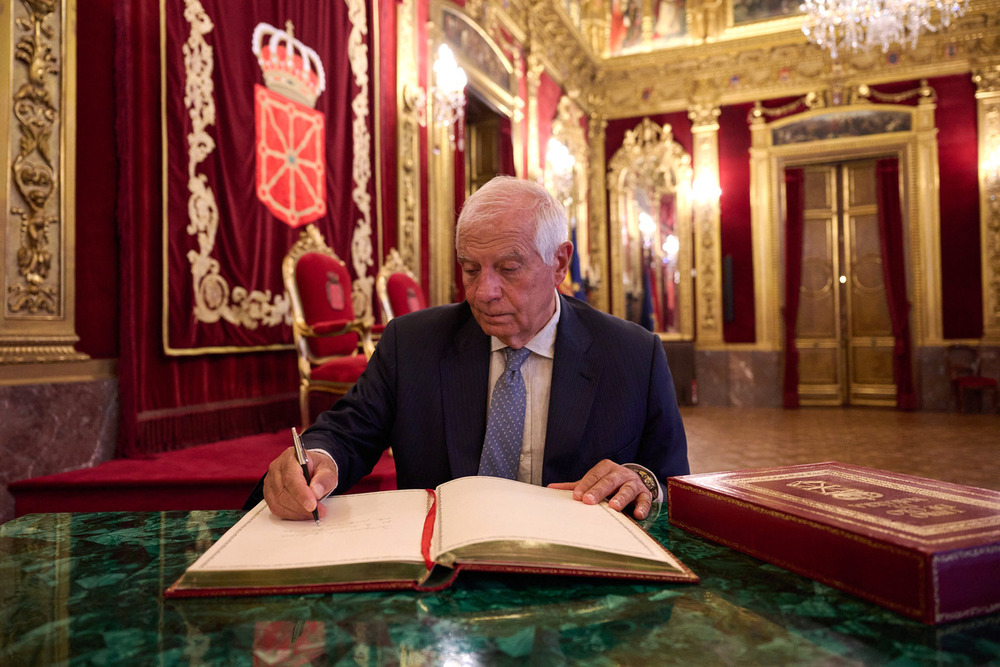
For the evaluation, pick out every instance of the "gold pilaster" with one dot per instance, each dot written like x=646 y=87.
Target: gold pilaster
x=987 y=79
x=767 y=280
x=535 y=69
x=410 y=99
x=38 y=244
x=517 y=120
x=598 y=197
x=924 y=188
x=441 y=195
x=708 y=257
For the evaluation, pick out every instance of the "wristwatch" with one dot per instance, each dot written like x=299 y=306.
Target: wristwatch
x=647 y=478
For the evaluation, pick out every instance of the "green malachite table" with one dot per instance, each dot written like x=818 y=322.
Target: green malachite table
x=88 y=589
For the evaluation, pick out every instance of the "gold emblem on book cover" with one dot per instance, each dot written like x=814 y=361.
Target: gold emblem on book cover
x=838 y=491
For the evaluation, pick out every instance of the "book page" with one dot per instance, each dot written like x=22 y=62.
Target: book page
x=358 y=528
x=477 y=509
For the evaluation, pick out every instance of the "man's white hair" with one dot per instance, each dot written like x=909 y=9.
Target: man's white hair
x=505 y=194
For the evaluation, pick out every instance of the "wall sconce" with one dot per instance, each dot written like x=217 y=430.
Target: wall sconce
x=447 y=94
x=705 y=190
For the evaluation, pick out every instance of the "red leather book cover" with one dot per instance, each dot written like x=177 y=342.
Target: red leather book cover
x=924 y=548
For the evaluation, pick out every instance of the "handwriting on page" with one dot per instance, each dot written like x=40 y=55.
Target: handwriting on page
x=359 y=528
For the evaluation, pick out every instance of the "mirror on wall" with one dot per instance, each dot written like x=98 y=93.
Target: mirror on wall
x=649 y=189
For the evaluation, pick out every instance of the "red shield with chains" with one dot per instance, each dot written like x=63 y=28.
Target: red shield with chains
x=291 y=171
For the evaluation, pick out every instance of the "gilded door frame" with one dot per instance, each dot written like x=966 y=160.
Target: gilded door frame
x=916 y=150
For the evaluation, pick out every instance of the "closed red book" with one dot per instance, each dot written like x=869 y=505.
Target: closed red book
x=924 y=548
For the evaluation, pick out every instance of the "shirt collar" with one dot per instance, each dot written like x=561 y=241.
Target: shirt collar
x=544 y=342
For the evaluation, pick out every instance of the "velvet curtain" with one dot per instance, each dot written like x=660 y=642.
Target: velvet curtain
x=167 y=401
x=794 y=214
x=890 y=224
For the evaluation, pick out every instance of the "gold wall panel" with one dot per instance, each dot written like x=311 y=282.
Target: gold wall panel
x=38 y=84
x=987 y=79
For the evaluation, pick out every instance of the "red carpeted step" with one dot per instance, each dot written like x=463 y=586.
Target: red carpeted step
x=215 y=476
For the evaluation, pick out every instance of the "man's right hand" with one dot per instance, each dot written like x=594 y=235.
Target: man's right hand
x=285 y=489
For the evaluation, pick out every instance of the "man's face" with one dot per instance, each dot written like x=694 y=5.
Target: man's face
x=510 y=288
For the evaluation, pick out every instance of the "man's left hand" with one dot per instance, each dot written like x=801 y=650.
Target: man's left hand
x=610 y=480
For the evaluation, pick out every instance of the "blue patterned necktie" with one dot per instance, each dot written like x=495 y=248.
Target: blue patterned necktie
x=505 y=423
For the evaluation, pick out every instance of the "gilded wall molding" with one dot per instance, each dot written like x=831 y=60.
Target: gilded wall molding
x=410 y=115
x=362 y=254
x=561 y=50
x=38 y=243
x=987 y=80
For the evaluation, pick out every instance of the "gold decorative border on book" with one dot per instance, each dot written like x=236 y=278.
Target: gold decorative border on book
x=935 y=535
x=878 y=545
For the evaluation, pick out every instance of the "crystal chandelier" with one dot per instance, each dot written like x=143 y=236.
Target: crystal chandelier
x=864 y=25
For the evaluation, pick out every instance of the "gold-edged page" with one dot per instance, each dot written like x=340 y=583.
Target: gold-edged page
x=487 y=518
x=363 y=536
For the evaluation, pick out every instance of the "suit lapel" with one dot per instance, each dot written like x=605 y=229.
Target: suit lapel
x=574 y=381
x=465 y=377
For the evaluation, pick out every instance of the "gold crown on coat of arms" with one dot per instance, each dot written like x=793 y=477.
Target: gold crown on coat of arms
x=290 y=67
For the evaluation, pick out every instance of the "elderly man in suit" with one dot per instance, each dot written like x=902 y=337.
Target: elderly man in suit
x=599 y=410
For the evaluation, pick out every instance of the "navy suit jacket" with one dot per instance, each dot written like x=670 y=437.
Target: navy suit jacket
x=424 y=393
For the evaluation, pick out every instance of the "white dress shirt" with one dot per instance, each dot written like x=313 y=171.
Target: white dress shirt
x=537 y=373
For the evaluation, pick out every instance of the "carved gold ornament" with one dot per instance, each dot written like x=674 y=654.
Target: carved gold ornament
x=361 y=240
x=34 y=166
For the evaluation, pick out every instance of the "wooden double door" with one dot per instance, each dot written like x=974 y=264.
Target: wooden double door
x=844 y=332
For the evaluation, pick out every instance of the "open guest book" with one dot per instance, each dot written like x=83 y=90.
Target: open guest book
x=422 y=539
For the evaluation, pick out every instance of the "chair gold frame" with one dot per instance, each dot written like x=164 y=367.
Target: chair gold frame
x=311 y=241
x=393 y=264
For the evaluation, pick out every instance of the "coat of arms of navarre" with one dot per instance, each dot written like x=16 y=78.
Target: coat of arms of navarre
x=291 y=170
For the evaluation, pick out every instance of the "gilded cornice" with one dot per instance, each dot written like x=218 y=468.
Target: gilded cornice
x=742 y=64
x=562 y=50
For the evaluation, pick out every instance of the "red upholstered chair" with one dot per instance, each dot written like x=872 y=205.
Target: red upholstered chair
x=333 y=347
x=963 y=367
x=397 y=288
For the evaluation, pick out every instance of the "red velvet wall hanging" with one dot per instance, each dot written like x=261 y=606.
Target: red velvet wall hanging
x=262 y=107
x=169 y=402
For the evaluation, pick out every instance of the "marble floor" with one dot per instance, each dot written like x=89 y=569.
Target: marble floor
x=958 y=448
